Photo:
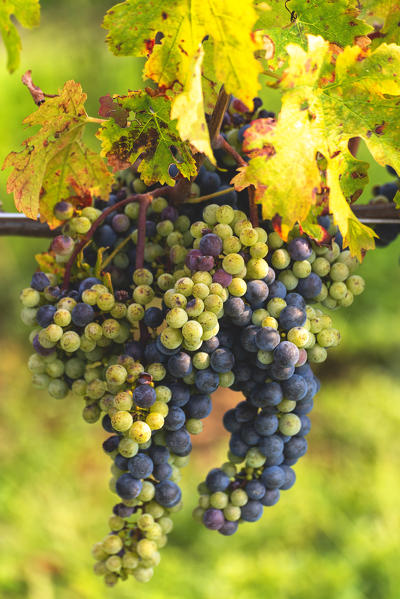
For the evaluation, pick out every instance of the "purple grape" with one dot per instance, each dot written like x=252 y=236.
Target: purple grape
x=82 y=314
x=299 y=248
x=210 y=245
x=191 y=259
x=39 y=281
x=42 y=351
x=222 y=277
x=62 y=245
x=120 y=223
x=169 y=213
x=213 y=519
x=204 y=263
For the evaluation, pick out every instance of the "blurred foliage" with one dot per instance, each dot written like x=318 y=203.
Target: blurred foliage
x=334 y=535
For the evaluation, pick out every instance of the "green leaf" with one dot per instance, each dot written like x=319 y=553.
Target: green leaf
x=55 y=163
x=150 y=135
x=329 y=97
x=27 y=12
x=133 y=26
x=385 y=16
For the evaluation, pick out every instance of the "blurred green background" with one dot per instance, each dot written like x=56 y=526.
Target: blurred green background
x=334 y=535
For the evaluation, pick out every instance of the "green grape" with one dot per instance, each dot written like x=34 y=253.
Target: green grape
x=286 y=405
x=332 y=254
x=29 y=297
x=270 y=321
x=89 y=296
x=111 y=328
x=275 y=306
x=135 y=312
x=224 y=214
x=257 y=268
x=241 y=225
x=96 y=389
x=128 y=447
x=143 y=574
x=238 y=287
x=58 y=388
x=248 y=237
x=176 y=318
x=201 y=360
x=173 y=299
x=288 y=278
x=114 y=563
x=338 y=290
x=143 y=294
x=233 y=263
x=207 y=320
x=145 y=548
x=229 y=469
x=323 y=294
x=259 y=250
x=105 y=302
x=200 y=290
x=91 y=213
x=192 y=346
x=145 y=522
x=175 y=239
x=202 y=277
x=217 y=289
x=182 y=224
x=132 y=210
x=321 y=266
x=289 y=424
x=36 y=364
x=194 y=426
x=317 y=354
x=254 y=458
x=163 y=393
x=79 y=388
x=140 y=432
x=209 y=214
x=351 y=262
x=184 y=285
x=226 y=379
x=213 y=303
x=231 y=245
x=62 y=317
x=197 y=229
x=239 y=497
x=91 y=413
x=328 y=338
x=265 y=357
x=66 y=303
x=116 y=374
x=80 y=224
x=142 y=276
x=232 y=513
x=301 y=269
x=355 y=284
x=70 y=341
x=28 y=316
x=147 y=493
x=197 y=514
x=275 y=241
x=110 y=579
x=87 y=345
x=121 y=420
x=219 y=500
x=112 y=544
x=258 y=316
x=280 y=259
x=223 y=231
x=158 y=204
x=192 y=331
x=299 y=336
x=40 y=381
x=347 y=300
x=172 y=338
x=130 y=560
x=165 y=281
x=157 y=371
x=118 y=310
x=339 y=272
x=55 y=369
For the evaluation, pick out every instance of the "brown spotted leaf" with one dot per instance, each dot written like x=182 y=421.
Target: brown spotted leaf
x=55 y=162
x=150 y=135
x=109 y=108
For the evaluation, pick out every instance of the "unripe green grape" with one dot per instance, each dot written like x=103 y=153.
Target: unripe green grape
x=62 y=317
x=70 y=341
x=238 y=287
x=163 y=393
x=280 y=259
x=223 y=231
x=29 y=297
x=224 y=214
x=79 y=388
x=66 y=303
x=143 y=294
x=289 y=424
x=201 y=360
x=176 y=318
x=270 y=321
x=328 y=338
x=53 y=333
x=351 y=261
x=233 y=264
x=229 y=469
x=202 y=276
x=299 y=336
x=158 y=204
x=355 y=284
x=192 y=346
x=317 y=354
x=192 y=331
x=146 y=548
x=311 y=341
x=175 y=239
x=111 y=328
x=196 y=243
x=128 y=447
x=114 y=563
x=173 y=299
x=209 y=214
x=317 y=324
x=288 y=278
x=103 y=341
x=116 y=374
x=55 y=369
x=91 y=413
x=36 y=364
x=147 y=493
x=184 y=285
x=172 y=338
x=321 y=266
x=119 y=310
x=106 y=301
x=89 y=296
x=333 y=253
x=140 y=432
x=143 y=574
x=241 y=225
x=226 y=379
x=154 y=533
x=338 y=290
x=265 y=357
x=194 y=426
x=135 y=312
x=28 y=316
x=80 y=224
x=157 y=371
x=254 y=458
x=165 y=281
x=189 y=379
x=142 y=276
x=112 y=544
x=96 y=389
x=275 y=241
x=238 y=497
x=301 y=269
x=179 y=273
x=40 y=381
x=219 y=500
x=198 y=514
x=182 y=224
x=121 y=421
x=152 y=251
x=231 y=245
x=257 y=268
x=92 y=374
x=207 y=320
x=130 y=560
x=145 y=522
x=232 y=513
x=197 y=229
x=286 y=406
x=339 y=272
x=181 y=461
x=155 y=421
x=87 y=345
x=259 y=250
x=91 y=213
x=347 y=300
x=132 y=210
x=213 y=303
x=248 y=237
x=98 y=551
x=200 y=290
x=58 y=388
x=93 y=331
x=100 y=288
x=217 y=289
x=123 y=334
x=258 y=316
x=275 y=306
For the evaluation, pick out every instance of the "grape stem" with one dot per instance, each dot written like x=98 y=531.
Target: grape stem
x=209 y=196
x=144 y=199
x=222 y=144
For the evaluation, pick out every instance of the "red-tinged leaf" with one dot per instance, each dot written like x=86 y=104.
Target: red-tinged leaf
x=150 y=136
x=47 y=263
x=55 y=162
x=109 y=108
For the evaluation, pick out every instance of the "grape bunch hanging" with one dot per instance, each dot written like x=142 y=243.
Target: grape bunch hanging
x=145 y=333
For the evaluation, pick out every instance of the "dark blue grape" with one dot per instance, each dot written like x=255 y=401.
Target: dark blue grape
x=248 y=434
x=210 y=245
x=266 y=424
x=295 y=448
x=210 y=183
x=162 y=471
x=213 y=519
x=180 y=394
x=257 y=292
x=305 y=426
x=234 y=307
x=273 y=477
x=82 y=314
x=222 y=360
x=304 y=406
x=388 y=190
x=252 y=511
x=290 y=478
x=178 y=441
x=245 y=412
x=217 y=480
x=294 y=388
x=237 y=446
x=159 y=454
x=286 y=354
x=135 y=350
x=111 y=444
x=206 y=381
x=226 y=338
x=243 y=129
x=277 y=289
x=267 y=338
x=151 y=229
x=244 y=318
x=44 y=316
x=271 y=497
x=106 y=424
x=105 y=236
x=248 y=338
x=310 y=286
x=230 y=423
x=199 y=406
x=153 y=317
x=281 y=373
x=324 y=221
x=210 y=345
x=40 y=281
x=141 y=465
x=144 y=396
x=291 y=317
x=271 y=446
x=175 y=419
x=180 y=365
x=269 y=394
x=270 y=278
x=167 y=493
x=255 y=490
x=128 y=487
x=173 y=171
x=169 y=213
x=228 y=528
x=295 y=299
x=121 y=462
x=122 y=510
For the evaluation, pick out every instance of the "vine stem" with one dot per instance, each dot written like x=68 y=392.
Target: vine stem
x=144 y=199
x=209 y=196
x=95 y=119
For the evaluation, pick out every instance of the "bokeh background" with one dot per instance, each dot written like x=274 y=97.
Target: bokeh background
x=334 y=535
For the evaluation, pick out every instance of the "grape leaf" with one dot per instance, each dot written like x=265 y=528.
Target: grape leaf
x=28 y=14
x=150 y=135
x=55 y=161
x=335 y=20
x=188 y=109
x=385 y=16
x=133 y=26
x=329 y=97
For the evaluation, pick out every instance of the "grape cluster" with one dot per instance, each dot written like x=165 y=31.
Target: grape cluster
x=218 y=302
